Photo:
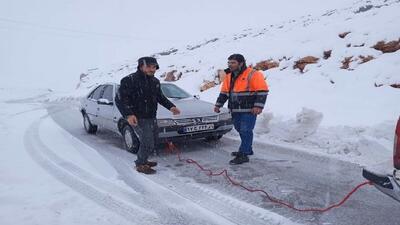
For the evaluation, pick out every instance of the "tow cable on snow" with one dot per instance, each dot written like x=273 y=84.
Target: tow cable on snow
x=171 y=148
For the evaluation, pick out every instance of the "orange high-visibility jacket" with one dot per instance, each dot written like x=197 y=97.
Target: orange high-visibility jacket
x=248 y=90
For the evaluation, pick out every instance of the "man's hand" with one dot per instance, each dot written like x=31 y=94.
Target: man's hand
x=256 y=110
x=216 y=109
x=175 y=111
x=132 y=120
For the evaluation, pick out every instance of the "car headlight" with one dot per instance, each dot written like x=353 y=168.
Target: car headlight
x=225 y=116
x=165 y=122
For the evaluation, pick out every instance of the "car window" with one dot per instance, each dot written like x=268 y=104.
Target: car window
x=173 y=91
x=91 y=94
x=96 y=93
x=108 y=93
x=117 y=89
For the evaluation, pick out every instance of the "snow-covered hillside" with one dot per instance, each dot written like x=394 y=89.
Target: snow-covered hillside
x=332 y=68
x=47 y=43
x=342 y=107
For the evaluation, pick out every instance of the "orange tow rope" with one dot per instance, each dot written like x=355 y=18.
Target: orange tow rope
x=171 y=148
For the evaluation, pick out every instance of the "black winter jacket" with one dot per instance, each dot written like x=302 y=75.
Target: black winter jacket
x=139 y=95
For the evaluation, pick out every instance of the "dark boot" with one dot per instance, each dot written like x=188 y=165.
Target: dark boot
x=236 y=153
x=239 y=159
x=151 y=164
x=145 y=169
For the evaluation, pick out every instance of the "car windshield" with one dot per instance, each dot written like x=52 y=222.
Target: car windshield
x=173 y=91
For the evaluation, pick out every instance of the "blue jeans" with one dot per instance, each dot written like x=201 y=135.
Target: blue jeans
x=146 y=131
x=244 y=124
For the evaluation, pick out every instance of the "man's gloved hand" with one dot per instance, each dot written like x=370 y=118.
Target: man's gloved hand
x=216 y=109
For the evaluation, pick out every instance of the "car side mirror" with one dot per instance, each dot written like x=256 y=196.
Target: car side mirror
x=103 y=101
x=196 y=97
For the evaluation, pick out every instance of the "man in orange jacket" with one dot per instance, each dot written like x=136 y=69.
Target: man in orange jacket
x=246 y=91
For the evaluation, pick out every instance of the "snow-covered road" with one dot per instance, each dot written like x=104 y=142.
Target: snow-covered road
x=52 y=172
x=103 y=173
x=300 y=178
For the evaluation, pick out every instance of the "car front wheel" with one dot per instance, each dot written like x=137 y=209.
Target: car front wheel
x=131 y=142
x=89 y=127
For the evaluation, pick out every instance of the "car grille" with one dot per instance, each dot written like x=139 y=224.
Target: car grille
x=189 y=121
x=210 y=119
x=182 y=122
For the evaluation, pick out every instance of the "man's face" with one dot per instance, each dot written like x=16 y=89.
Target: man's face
x=149 y=70
x=234 y=65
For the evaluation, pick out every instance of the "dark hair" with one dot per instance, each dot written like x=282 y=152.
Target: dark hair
x=239 y=58
x=147 y=61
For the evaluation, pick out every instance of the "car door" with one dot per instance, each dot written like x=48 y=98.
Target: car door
x=105 y=112
x=91 y=106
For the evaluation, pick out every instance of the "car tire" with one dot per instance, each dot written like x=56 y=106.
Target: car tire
x=213 y=138
x=130 y=140
x=89 y=127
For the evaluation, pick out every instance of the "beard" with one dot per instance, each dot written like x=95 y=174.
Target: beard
x=150 y=73
x=233 y=68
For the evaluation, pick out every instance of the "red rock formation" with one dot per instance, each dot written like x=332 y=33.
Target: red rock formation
x=172 y=75
x=395 y=85
x=301 y=63
x=327 y=54
x=220 y=76
x=207 y=85
x=346 y=63
x=266 y=65
x=389 y=47
x=365 y=59
x=344 y=34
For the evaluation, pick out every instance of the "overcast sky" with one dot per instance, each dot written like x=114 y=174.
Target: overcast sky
x=48 y=43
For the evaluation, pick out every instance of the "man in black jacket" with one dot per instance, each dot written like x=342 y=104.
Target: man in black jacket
x=139 y=93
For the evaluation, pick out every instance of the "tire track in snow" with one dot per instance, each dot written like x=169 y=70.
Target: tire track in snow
x=273 y=168
x=35 y=149
x=166 y=213
x=295 y=174
x=236 y=209
x=164 y=197
x=233 y=209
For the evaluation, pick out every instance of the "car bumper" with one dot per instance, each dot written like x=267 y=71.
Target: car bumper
x=175 y=133
x=388 y=184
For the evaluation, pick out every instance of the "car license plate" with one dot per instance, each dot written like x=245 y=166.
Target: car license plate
x=198 y=128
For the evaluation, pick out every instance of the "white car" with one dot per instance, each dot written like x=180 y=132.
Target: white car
x=197 y=118
x=388 y=183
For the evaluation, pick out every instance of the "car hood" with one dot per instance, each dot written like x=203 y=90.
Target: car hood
x=190 y=107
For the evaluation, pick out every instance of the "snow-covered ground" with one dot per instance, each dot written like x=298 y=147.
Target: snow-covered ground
x=48 y=176
x=30 y=195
